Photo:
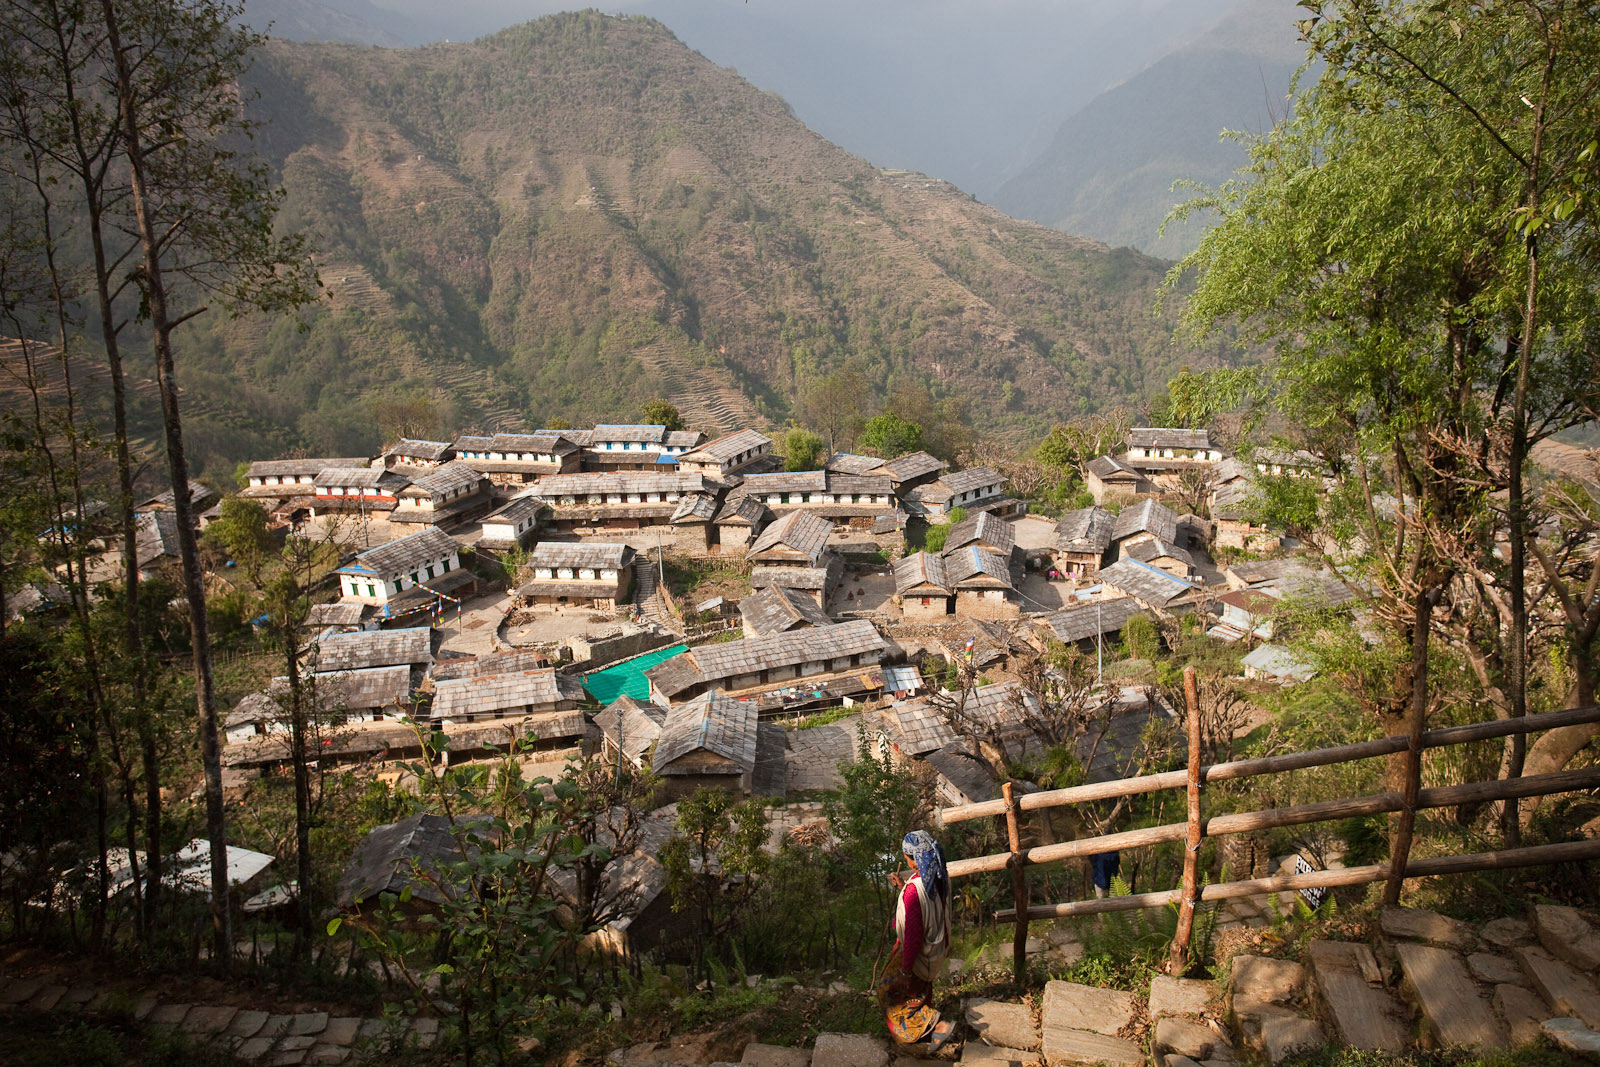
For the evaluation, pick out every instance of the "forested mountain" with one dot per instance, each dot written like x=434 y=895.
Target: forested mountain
x=1110 y=170
x=580 y=213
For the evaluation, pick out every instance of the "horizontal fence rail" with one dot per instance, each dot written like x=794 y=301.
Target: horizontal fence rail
x=1196 y=827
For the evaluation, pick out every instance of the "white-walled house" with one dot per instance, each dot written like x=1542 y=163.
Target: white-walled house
x=381 y=574
x=508 y=525
x=291 y=477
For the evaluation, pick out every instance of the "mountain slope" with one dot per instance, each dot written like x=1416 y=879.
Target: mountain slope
x=579 y=214
x=1110 y=169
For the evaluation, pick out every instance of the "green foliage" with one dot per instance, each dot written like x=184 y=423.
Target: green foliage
x=874 y=808
x=802 y=450
x=661 y=413
x=888 y=435
x=1139 y=638
x=934 y=537
x=1124 y=949
x=715 y=862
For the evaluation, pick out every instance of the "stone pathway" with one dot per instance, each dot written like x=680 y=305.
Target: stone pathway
x=254 y=1036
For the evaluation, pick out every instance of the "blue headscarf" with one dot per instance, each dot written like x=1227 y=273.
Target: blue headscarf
x=929 y=858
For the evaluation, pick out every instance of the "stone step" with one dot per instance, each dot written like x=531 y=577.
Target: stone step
x=1362 y=1012
x=1416 y=924
x=1454 y=1013
x=1080 y=1024
x=1567 y=934
x=998 y=1022
x=1563 y=988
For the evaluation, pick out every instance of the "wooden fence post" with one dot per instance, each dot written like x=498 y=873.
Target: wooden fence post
x=1178 y=960
x=1019 y=887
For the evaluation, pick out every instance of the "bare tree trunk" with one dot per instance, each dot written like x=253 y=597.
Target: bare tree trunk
x=154 y=289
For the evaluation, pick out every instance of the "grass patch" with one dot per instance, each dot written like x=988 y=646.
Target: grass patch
x=821 y=718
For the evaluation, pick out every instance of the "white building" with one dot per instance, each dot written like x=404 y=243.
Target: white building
x=381 y=574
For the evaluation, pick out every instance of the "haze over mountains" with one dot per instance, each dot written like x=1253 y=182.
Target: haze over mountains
x=1077 y=113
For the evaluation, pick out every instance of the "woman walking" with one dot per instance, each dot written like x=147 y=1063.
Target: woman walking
x=922 y=932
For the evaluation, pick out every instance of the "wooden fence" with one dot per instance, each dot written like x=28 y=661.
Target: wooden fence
x=1195 y=827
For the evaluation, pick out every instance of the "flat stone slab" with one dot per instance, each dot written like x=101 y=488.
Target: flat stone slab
x=323 y=1052
x=1522 y=1010
x=208 y=1019
x=1062 y=1044
x=995 y=1055
x=1571 y=1034
x=169 y=1014
x=1416 y=924
x=1563 y=988
x=47 y=998
x=247 y=1023
x=1178 y=996
x=1283 y=1036
x=1002 y=1023
x=147 y=1004
x=1453 y=1010
x=1070 y=1006
x=849 y=1050
x=75 y=999
x=1506 y=933
x=1364 y=1016
x=20 y=990
x=308 y=1024
x=1492 y=969
x=1567 y=935
x=253 y=1048
x=341 y=1031
x=1261 y=978
x=1187 y=1038
x=759 y=1055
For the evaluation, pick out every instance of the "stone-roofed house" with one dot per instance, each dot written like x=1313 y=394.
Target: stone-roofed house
x=446 y=494
x=339 y=615
x=1147 y=520
x=619 y=500
x=709 y=740
x=1233 y=506
x=514 y=459
x=356 y=489
x=984 y=582
x=911 y=470
x=761 y=662
x=985 y=530
x=910 y=729
x=921 y=587
x=418 y=456
x=1287 y=462
x=839 y=497
x=1087 y=625
x=816 y=582
x=1158 y=447
x=799 y=538
x=590 y=574
x=415 y=853
x=1152 y=587
x=511 y=524
x=725 y=455
x=709 y=524
x=1082 y=537
x=367 y=694
x=155 y=541
x=775 y=610
x=1247 y=573
x=1111 y=481
x=382 y=575
x=974 y=489
x=360 y=649
x=849 y=463
x=961 y=776
x=627 y=446
x=1169 y=557
x=257 y=715
x=548 y=700
x=629 y=728
x=1000 y=718
x=291 y=477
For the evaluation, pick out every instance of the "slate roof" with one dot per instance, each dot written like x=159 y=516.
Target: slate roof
x=847 y=463
x=1255 y=572
x=582 y=485
x=280 y=467
x=516 y=510
x=598 y=555
x=367 y=687
x=796 y=577
x=916 y=726
x=725 y=660
x=1083 y=621
x=724 y=448
x=637 y=724
x=889 y=522
x=804 y=531
x=1085 y=530
x=1234 y=500
x=486 y=694
x=1150 y=584
x=969 y=774
x=254 y=708
x=1149 y=551
x=405 y=553
x=374 y=648
x=155 y=537
x=1279 y=662
x=713 y=722
x=701 y=507
x=918 y=570
x=682 y=438
x=473 y=443
x=389 y=857
x=1317 y=589
x=1168 y=437
x=338 y=613
x=985 y=527
x=548 y=443
x=360 y=477
x=742 y=511
x=1109 y=468
x=493 y=663
x=912 y=465
x=966 y=564
x=786 y=482
x=607 y=431
x=958 y=482
x=774 y=610
x=446 y=479
x=430 y=450
x=1147 y=516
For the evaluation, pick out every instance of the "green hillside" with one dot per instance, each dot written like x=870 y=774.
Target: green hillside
x=578 y=214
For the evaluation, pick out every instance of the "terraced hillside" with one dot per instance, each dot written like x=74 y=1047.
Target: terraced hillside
x=579 y=214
